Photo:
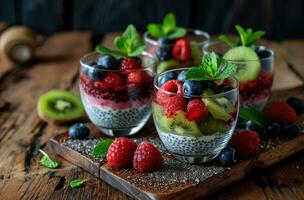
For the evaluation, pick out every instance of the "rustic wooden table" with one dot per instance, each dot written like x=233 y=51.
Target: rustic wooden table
x=22 y=133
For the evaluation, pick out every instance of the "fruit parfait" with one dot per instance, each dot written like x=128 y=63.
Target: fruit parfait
x=175 y=47
x=254 y=65
x=116 y=85
x=195 y=109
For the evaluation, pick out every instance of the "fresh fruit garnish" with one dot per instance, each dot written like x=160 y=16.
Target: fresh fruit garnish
x=227 y=156
x=166 y=77
x=79 y=131
x=296 y=103
x=47 y=161
x=166 y=65
x=120 y=153
x=167 y=29
x=161 y=97
x=147 y=157
x=113 y=80
x=249 y=70
x=246 y=38
x=179 y=124
x=273 y=129
x=139 y=77
x=281 y=112
x=128 y=44
x=174 y=104
x=213 y=126
x=182 y=76
x=291 y=130
x=246 y=143
x=108 y=62
x=173 y=86
x=191 y=88
x=163 y=52
x=196 y=110
x=97 y=73
x=181 y=50
x=255 y=116
x=129 y=64
x=158 y=111
x=59 y=106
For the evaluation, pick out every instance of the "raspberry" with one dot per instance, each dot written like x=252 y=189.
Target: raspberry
x=247 y=143
x=139 y=77
x=174 y=104
x=121 y=152
x=147 y=157
x=173 y=86
x=281 y=112
x=129 y=64
x=181 y=50
x=113 y=80
x=196 y=110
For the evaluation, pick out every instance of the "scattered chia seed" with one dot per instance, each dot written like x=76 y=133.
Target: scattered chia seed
x=270 y=143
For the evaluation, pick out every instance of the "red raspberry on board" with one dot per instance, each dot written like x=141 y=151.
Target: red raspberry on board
x=129 y=64
x=281 y=112
x=196 y=110
x=147 y=157
x=181 y=50
x=174 y=104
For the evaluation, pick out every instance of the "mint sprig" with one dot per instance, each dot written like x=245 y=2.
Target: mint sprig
x=128 y=44
x=101 y=148
x=257 y=117
x=246 y=37
x=77 y=183
x=47 y=161
x=167 y=28
x=212 y=68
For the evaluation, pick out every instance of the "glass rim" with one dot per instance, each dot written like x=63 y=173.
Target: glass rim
x=234 y=89
x=212 y=43
x=94 y=53
x=196 y=32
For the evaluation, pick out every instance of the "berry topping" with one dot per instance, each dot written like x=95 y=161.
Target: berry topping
x=166 y=77
x=192 y=88
x=121 y=152
x=139 y=77
x=113 y=80
x=173 y=86
x=291 y=129
x=181 y=50
x=147 y=157
x=163 y=53
x=97 y=73
x=182 y=76
x=196 y=110
x=79 y=131
x=227 y=156
x=281 y=112
x=296 y=103
x=273 y=129
x=246 y=143
x=174 y=104
x=108 y=62
x=129 y=64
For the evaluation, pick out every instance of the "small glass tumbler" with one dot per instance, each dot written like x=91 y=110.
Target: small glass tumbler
x=118 y=102
x=255 y=75
x=199 y=135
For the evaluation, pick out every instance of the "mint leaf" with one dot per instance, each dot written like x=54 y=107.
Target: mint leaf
x=77 y=183
x=255 y=116
x=177 y=33
x=197 y=74
x=155 y=30
x=105 y=50
x=101 y=148
x=242 y=34
x=225 y=69
x=47 y=161
x=225 y=39
x=169 y=23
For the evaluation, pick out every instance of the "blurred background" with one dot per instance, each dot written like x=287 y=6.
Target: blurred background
x=281 y=19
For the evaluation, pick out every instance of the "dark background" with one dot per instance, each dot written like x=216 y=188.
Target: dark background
x=281 y=19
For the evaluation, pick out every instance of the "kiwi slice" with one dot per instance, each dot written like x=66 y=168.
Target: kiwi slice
x=218 y=107
x=211 y=126
x=166 y=65
x=180 y=125
x=251 y=69
x=158 y=111
x=196 y=53
x=59 y=106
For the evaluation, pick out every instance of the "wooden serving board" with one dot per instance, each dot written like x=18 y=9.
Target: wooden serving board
x=162 y=184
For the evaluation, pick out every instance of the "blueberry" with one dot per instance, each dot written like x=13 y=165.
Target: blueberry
x=108 y=62
x=163 y=53
x=79 y=131
x=296 y=103
x=291 y=130
x=206 y=84
x=165 y=41
x=227 y=156
x=182 y=76
x=192 y=88
x=166 y=77
x=273 y=129
x=262 y=52
x=97 y=73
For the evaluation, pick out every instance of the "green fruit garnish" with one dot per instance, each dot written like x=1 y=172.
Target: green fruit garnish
x=211 y=126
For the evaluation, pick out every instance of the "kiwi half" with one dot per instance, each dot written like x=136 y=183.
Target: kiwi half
x=211 y=126
x=180 y=125
x=59 y=106
x=251 y=69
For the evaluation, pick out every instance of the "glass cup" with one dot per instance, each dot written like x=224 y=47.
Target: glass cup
x=117 y=105
x=191 y=138
x=164 y=50
x=255 y=91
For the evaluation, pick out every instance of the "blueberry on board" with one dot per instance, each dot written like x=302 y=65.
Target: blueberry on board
x=182 y=76
x=108 y=62
x=227 y=156
x=296 y=103
x=273 y=129
x=163 y=53
x=290 y=130
x=192 y=88
x=97 y=73
x=79 y=131
x=166 y=77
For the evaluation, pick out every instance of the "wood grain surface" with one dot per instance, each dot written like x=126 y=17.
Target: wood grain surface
x=22 y=133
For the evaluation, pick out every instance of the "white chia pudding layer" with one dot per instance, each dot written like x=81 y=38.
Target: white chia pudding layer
x=195 y=146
